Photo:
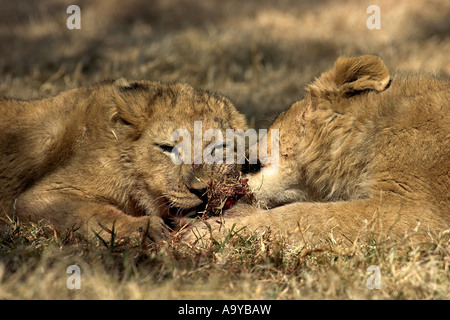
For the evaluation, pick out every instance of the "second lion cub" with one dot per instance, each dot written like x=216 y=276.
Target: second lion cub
x=361 y=152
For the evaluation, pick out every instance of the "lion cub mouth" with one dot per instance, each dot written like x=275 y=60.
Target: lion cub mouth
x=178 y=216
x=187 y=206
x=220 y=195
x=189 y=212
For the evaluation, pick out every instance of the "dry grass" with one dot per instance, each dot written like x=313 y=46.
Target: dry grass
x=260 y=54
x=244 y=266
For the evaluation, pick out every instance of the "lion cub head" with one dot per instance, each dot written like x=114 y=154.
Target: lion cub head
x=150 y=120
x=315 y=136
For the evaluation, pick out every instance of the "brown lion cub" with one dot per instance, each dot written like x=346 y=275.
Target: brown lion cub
x=361 y=154
x=100 y=156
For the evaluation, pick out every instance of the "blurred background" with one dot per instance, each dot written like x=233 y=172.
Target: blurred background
x=259 y=53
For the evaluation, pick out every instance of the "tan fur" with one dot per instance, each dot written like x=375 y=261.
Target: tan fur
x=357 y=154
x=92 y=157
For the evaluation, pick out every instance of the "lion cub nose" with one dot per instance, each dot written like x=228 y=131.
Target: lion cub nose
x=201 y=193
x=198 y=187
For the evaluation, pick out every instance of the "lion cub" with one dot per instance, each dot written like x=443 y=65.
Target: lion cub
x=97 y=157
x=361 y=154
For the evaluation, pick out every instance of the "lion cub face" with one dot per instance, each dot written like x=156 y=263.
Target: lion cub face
x=317 y=134
x=156 y=118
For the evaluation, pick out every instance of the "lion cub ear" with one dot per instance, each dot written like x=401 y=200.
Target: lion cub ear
x=353 y=75
x=131 y=100
x=349 y=77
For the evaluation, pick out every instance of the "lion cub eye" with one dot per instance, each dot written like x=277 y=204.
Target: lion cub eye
x=175 y=153
x=166 y=148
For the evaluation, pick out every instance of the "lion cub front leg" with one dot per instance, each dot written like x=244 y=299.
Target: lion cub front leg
x=342 y=222
x=66 y=212
x=297 y=222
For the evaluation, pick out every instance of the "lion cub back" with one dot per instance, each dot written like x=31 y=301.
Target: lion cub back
x=35 y=136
